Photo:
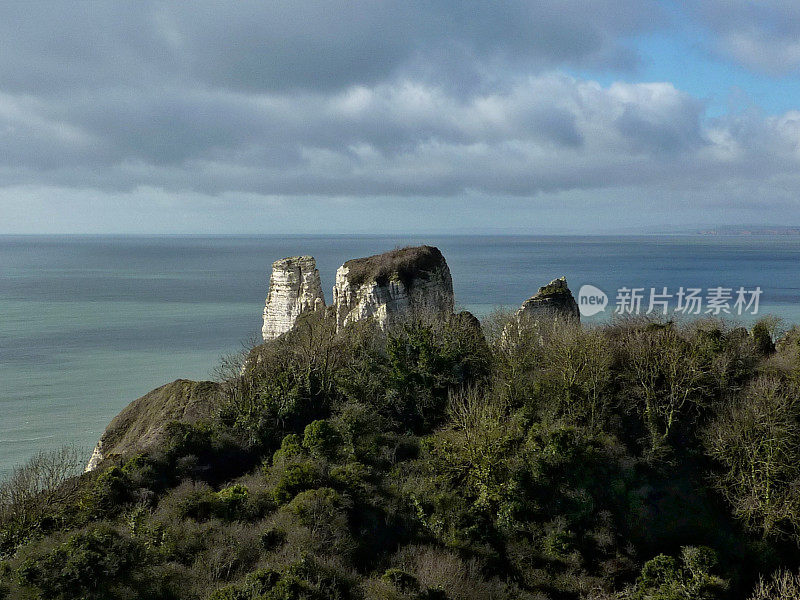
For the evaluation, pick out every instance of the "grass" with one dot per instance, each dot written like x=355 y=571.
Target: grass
x=405 y=264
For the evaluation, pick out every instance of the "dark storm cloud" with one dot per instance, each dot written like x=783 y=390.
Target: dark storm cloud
x=281 y=44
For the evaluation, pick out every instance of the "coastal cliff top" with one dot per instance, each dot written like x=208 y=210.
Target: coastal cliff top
x=557 y=287
x=290 y=260
x=141 y=425
x=404 y=264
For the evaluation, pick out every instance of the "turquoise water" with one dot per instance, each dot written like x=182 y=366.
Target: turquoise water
x=88 y=324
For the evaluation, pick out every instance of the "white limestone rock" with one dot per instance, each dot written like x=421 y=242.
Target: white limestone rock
x=294 y=288
x=96 y=458
x=554 y=300
x=391 y=286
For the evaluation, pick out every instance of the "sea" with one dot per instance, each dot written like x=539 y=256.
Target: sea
x=89 y=323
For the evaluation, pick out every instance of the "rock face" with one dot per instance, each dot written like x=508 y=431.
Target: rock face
x=392 y=285
x=553 y=300
x=142 y=424
x=294 y=288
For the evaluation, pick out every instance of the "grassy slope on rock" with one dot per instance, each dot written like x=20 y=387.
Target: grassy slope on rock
x=404 y=263
x=142 y=424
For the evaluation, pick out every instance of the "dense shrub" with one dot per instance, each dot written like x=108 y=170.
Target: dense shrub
x=229 y=503
x=666 y=578
x=295 y=478
x=545 y=461
x=321 y=439
x=428 y=359
x=303 y=580
x=89 y=564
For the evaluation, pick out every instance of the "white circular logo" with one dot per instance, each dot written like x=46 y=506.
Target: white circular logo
x=591 y=300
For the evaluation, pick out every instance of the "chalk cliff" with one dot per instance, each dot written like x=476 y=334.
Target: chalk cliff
x=392 y=285
x=553 y=300
x=294 y=288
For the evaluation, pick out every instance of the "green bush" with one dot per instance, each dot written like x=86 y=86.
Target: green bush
x=256 y=586
x=303 y=580
x=90 y=564
x=321 y=439
x=762 y=334
x=291 y=449
x=184 y=439
x=294 y=478
x=666 y=578
x=362 y=431
x=109 y=493
x=314 y=508
x=428 y=359
x=229 y=504
x=352 y=477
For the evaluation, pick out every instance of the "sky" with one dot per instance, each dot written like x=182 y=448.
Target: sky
x=350 y=116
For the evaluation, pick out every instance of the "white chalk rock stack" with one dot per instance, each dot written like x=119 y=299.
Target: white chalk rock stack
x=553 y=301
x=294 y=288
x=391 y=286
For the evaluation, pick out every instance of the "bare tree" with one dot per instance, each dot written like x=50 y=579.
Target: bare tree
x=480 y=442
x=517 y=349
x=37 y=489
x=232 y=365
x=757 y=441
x=578 y=360
x=783 y=585
x=667 y=373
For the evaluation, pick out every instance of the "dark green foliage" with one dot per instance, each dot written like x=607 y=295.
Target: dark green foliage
x=89 y=564
x=291 y=449
x=666 y=578
x=321 y=439
x=323 y=513
x=762 y=338
x=408 y=586
x=318 y=506
x=189 y=439
x=272 y=539
x=426 y=361
x=425 y=463
x=352 y=477
x=286 y=385
x=303 y=580
x=256 y=585
x=294 y=478
x=229 y=503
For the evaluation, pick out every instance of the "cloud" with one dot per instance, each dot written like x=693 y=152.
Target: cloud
x=321 y=45
x=763 y=36
x=403 y=137
x=364 y=100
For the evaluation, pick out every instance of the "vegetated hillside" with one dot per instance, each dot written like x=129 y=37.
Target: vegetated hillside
x=143 y=424
x=636 y=460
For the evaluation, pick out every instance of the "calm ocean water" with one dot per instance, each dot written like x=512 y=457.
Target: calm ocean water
x=88 y=324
